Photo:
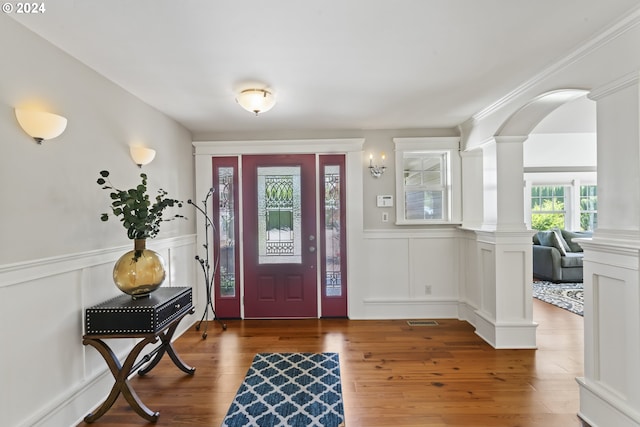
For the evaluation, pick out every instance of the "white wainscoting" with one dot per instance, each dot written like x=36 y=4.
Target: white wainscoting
x=470 y=282
x=412 y=274
x=609 y=390
x=48 y=377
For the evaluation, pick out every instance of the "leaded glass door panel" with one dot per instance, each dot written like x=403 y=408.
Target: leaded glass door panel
x=280 y=277
x=333 y=236
x=225 y=241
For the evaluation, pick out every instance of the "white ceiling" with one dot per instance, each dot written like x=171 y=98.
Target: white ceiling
x=333 y=64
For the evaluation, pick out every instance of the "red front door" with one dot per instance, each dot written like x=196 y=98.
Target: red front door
x=280 y=242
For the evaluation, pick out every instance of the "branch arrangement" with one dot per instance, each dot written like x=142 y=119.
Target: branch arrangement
x=141 y=218
x=208 y=270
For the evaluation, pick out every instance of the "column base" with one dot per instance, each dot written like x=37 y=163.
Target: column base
x=601 y=408
x=503 y=335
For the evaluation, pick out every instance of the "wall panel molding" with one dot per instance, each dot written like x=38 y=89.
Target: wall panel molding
x=12 y=274
x=48 y=297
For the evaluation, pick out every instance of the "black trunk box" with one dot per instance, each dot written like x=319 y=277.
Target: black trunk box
x=124 y=315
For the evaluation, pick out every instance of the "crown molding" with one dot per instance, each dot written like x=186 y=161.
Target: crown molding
x=626 y=23
x=623 y=82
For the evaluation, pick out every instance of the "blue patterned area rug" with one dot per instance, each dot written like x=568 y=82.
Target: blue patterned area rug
x=289 y=389
x=569 y=296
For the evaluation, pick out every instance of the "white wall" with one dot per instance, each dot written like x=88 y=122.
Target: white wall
x=51 y=202
x=56 y=255
x=560 y=150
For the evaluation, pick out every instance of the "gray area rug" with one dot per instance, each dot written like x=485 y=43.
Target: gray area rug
x=569 y=296
x=289 y=389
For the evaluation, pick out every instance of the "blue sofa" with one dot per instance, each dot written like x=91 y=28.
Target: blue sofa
x=557 y=257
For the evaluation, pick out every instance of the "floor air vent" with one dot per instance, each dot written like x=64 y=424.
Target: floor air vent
x=422 y=323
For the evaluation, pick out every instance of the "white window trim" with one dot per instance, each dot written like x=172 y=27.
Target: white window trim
x=449 y=145
x=572 y=200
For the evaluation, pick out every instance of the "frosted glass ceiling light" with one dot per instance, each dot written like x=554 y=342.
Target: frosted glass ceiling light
x=256 y=100
x=41 y=125
x=142 y=155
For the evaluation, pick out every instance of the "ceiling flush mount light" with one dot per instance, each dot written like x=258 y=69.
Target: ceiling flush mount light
x=142 y=155
x=41 y=125
x=256 y=100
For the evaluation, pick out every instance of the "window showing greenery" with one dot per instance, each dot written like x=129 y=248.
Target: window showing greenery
x=547 y=207
x=588 y=207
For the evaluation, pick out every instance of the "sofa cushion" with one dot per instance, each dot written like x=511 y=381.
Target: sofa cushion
x=572 y=259
x=545 y=238
x=570 y=235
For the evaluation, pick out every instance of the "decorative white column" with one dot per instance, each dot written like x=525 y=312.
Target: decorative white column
x=510 y=182
x=610 y=388
x=505 y=317
x=503 y=249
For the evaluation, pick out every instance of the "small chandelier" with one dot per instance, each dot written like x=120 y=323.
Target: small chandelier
x=256 y=100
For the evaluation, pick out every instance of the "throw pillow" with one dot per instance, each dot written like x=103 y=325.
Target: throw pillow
x=565 y=245
x=570 y=235
x=555 y=238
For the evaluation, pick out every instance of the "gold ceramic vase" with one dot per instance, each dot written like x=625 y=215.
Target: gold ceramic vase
x=140 y=271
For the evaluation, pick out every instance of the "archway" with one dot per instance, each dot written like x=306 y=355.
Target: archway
x=553 y=166
x=524 y=120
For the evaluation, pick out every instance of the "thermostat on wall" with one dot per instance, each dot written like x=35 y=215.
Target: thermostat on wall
x=384 y=201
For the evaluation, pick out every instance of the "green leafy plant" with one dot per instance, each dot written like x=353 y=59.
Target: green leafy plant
x=543 y=217
x=141 y=218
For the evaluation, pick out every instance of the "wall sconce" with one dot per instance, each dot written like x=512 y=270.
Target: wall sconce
x=142 y=155
x=256 y=100
x=377 y=171
x=41 y=125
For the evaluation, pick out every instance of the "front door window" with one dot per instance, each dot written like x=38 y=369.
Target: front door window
x=279 y=215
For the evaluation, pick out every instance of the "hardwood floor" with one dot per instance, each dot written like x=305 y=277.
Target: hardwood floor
x=393 y=375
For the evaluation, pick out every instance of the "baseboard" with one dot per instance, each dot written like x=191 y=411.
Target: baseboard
x=70 y=410
x=583 y=423
x=599 y=407
x=467 y=312
x=409 y=308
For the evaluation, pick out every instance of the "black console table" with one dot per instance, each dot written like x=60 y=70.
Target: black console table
x=149 y=318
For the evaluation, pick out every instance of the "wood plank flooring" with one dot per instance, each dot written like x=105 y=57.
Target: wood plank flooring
x=393 y=375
